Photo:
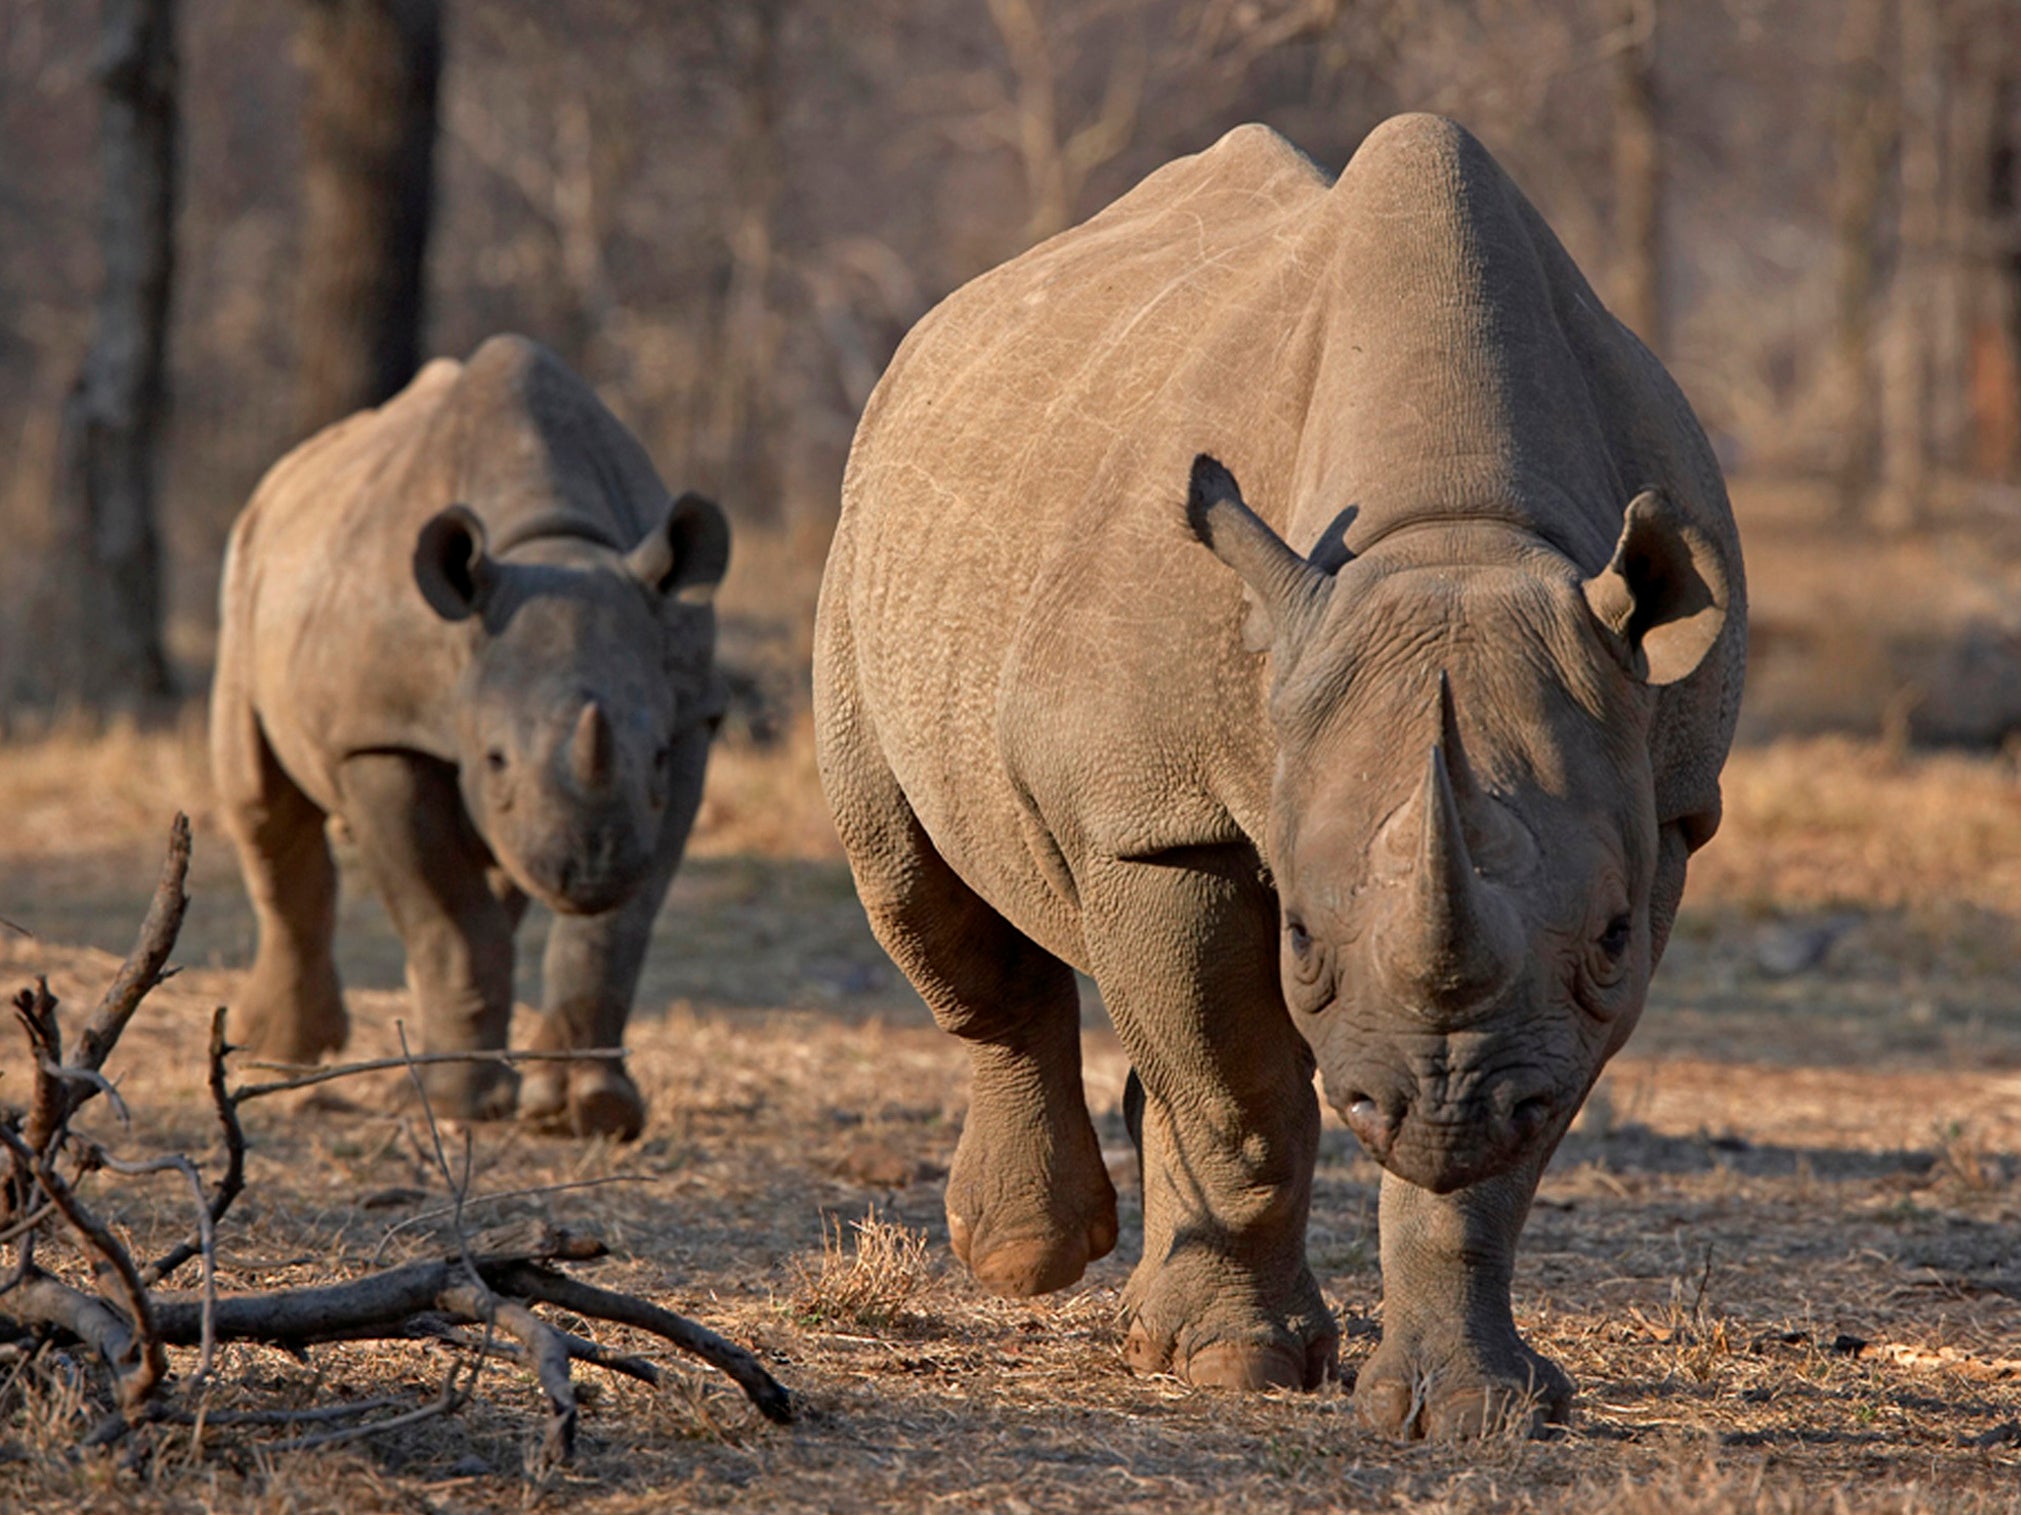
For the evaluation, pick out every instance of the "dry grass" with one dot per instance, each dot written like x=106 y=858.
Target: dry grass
x=873 y=1273
x=1781 y=1255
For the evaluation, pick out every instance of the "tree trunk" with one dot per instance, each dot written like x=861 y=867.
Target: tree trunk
x=1863 y=134
x=1995 y=379
x=371 y=68
x=744 y=428
x=1638 y=177
x=112 y=420
x=1906 y=431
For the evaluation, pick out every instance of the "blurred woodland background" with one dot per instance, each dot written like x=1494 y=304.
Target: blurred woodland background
x=726 y=213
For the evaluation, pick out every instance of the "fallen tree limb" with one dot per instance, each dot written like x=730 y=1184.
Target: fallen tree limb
x=493 y=1282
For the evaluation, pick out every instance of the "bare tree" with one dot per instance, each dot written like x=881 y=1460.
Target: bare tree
x=1863 y=132
x=112 y=419
x=741 y=424
x=1638 y=175
x=1991 y=171
x=372 y=68
x=1057 y=159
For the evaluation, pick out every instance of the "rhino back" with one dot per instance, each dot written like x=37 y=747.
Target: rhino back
x=322 y=618
x=1046 y=652
x=1017 y=446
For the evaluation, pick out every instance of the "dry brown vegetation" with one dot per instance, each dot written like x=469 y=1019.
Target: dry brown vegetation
x=1781 y=1254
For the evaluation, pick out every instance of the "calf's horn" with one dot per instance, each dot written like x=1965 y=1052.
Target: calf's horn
x=591 y=752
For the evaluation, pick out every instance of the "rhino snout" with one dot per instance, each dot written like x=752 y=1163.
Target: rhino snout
x=1443 y=1144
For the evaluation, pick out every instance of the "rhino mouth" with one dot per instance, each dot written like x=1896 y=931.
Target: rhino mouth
x=1445 y=1148
x=587 y=882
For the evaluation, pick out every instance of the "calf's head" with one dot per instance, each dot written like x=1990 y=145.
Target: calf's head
x=1464 y=834
x=582 y=669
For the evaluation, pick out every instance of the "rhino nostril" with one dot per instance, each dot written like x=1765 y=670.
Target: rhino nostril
x=1371 y=1124
x=1531 y=1115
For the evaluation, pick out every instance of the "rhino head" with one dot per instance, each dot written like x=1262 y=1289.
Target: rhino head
x=571 y=697
x=1463 y=824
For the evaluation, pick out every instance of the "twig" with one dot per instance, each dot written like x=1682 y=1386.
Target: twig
x=208 y=1417
x=324 y=1075
x=234 y=1180
x=175 y=1162
x=134 y=1386
x=532 y=1281
x=504 y=1194
x=57 y=1098
x=450 y=1400
x=142 y=969
x=26 y=1224
x=546 y=1353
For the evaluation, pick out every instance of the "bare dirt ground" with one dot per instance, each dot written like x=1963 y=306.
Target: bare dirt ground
x=1781 y=1252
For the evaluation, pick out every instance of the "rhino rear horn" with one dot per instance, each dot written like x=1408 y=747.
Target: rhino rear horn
x=1662 y=597
x=686 y=555
x=1286 y=593
x=452 y=565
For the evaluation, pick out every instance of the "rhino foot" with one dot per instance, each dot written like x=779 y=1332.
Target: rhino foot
x=277 y=1028
x=1018 y=1267
x=1028 y=1217
x=1212 y=1341
x=1420 y=1386
x=597 y=1099
x=478 y=1090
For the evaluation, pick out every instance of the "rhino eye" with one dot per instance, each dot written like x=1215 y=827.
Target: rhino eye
x=663 y=756
x=1614 y=940
x=495 y=760
x=1301 y=939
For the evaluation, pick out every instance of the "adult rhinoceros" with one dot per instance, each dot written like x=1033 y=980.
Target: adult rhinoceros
x=1410 y=790
x=473 y=627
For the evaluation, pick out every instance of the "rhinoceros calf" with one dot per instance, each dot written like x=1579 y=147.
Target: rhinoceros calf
x=1407 y=792
x=473 y=628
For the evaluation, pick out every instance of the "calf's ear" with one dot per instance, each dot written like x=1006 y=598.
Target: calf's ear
x=1662 y=597
x=687 y=553
x=1286 y=594
x=455 y=572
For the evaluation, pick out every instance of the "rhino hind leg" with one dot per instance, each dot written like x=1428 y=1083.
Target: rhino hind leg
x=1226 y=1122
x=291 y=1007
x=1029 y=1202
x=436 y=877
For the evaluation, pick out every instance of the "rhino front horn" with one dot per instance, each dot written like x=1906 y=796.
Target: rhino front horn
x=1453 y=940
x=592 y=748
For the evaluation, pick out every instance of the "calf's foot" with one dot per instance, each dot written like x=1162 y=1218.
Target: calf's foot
x=592 y=1099
x=476 y=1090
x=283 y=1018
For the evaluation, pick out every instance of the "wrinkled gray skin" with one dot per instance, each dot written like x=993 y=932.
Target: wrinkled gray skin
x=472 y=629
x=1410 y=796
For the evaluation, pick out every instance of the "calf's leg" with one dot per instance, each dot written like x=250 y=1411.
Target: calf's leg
x=437 y=878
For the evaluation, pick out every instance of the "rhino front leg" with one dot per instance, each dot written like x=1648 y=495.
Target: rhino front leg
x=291 y=1008
x=436 y=876
x=1450 y=1362
x=590 y=976
x=1185 y=954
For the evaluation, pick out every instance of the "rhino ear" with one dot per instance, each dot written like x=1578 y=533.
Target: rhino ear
x=455 y=572
x=1286 y=593
x=1662 y=597
x=687 y=553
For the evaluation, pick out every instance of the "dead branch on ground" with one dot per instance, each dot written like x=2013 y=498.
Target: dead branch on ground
x=126 y=1320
